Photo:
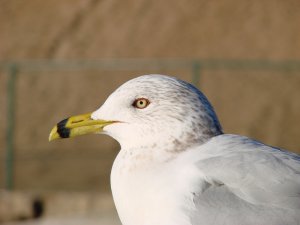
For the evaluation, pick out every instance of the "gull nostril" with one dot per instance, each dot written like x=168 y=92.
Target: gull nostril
x=77 y=121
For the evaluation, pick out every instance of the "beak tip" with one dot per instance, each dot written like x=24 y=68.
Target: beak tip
x=50 y=138
x=53 y=134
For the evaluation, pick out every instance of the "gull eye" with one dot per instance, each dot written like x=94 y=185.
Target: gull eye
x=141 y=103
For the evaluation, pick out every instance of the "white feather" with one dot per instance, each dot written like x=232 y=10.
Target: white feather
x=176 y=167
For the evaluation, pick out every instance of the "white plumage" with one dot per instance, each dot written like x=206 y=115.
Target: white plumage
x=176 y=167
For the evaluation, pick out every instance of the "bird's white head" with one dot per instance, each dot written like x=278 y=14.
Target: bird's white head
x=148 y=111
x=153 y=109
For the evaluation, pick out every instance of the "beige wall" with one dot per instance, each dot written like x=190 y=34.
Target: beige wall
x=262 y=104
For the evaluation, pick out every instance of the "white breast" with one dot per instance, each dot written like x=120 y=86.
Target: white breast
x=144 y=198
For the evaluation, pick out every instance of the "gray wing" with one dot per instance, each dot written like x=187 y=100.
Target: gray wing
x=249 y=182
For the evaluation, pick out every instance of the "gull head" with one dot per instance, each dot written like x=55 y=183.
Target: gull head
x=148 y=111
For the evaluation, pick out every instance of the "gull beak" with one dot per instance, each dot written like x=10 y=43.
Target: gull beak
x=78 y=125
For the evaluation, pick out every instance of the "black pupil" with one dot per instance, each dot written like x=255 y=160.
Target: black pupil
x=141 y=103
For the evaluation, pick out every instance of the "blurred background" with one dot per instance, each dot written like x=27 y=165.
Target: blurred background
x=64 y=57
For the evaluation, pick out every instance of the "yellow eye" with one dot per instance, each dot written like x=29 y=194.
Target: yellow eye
x=141 y=103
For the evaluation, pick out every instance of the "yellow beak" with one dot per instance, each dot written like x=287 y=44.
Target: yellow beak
x=78 y=125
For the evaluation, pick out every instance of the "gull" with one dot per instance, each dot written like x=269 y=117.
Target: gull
x=177 y=167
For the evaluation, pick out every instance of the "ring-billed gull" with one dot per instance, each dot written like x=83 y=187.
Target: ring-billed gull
x=176 y=167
